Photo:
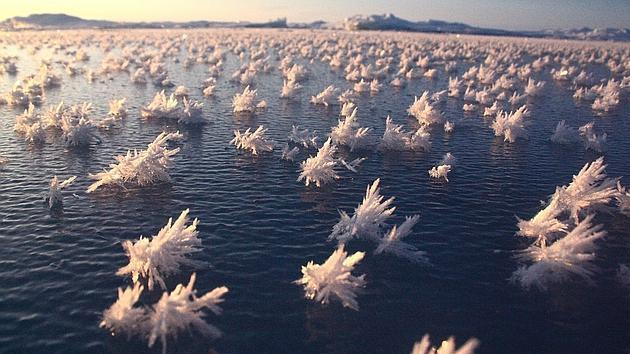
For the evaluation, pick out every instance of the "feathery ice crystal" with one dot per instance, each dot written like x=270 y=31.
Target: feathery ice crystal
x=368 y=217
x=392 y=241
x=123 y=316
x=511 y=125
x=447 y=347
x=54 y=198
x=325 y=97
x=117 y=108
x=161 y=107
x=140 y=168
x=347 y=132
x=564 y=235
x=303 y=137
x=290 y=89
x=589 y=191
x=564 y=134
x=163 y=254
x=320 y=169
x=396 y=139
x=244 y=102
x=443 y=168
x=592 y=141
x=288 y=153
x=181 y=310
x=333 y=278
x=254 y=141
x=569 y=256
x=424 y=111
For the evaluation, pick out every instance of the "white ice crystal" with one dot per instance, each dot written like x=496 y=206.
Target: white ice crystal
x=123 y=316
x=564 y=134
x=162 y=255
x=181 y=91
x=392 y=241
x=424 y=111
x=492 y=110
x=567 y=257
x=375 y=86
x=325 y=97
x=55 y=198
x=253 y=141
x=333 y=278
x=449 y=127
x=361 y=86
x=290 y=89
x=78 y=131
x=347 y=108
x=320 y=169
x=534 y=88
x=396 y=139
x=623 y=199
x=117 y=108
x=182 y=310
x=590 y=189
x=161 y=107
x=368 y=218
x=546 y=223
x=447 y=347
x=592 y=141
x=303 y=137
x=511 y=125
x=443 y=167
x=52 y=117
x=192 y=113
x=245 y=101
x=288 y=153
x=140 y=168
x=347 y=132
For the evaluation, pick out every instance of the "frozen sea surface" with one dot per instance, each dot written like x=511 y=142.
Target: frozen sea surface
x=259 y=225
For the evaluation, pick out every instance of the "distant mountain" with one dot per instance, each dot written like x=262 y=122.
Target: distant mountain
x=45 y=21
x=585 y=33
x=63 y=21
x=389 y=22
x=386 y=22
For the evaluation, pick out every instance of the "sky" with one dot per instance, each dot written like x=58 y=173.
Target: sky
x=504 y=14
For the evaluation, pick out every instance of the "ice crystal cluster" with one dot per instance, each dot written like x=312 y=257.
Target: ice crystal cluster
x=322 y=168
x=349 y=133
x=425 y=111
x=369 y=222
x=180 y=310
x=163 y=254
x=246 y=101
x=443 y=167
x=447 y=347
x=176 y=107
x=563 y=231
x=325 y=97
x=140 y=168
x=333 y=279
x=511 y=125
x=54 y=199
x=72 y=122
x=254 y=142
x=396 y=139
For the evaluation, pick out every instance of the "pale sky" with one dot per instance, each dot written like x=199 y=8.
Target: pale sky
x=505 y=14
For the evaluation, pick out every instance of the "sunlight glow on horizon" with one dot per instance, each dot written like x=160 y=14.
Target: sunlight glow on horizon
x=505 y=14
